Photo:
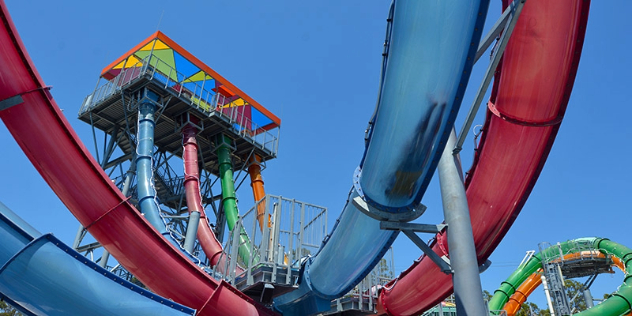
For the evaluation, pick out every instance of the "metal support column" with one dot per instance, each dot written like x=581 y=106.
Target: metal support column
x=505 y=24
x=128 y=180
x=552 y=274
x=547 y=293
x=191 y=234
x=586 y=291
x=81 y=232
x=466 y=279
x=588 y=298
x=103 y=263
x=411 y=230
x=129 y=175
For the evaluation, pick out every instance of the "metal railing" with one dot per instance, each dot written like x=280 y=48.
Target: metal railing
x=291 y=230
x=363 y=296
x=207 y=101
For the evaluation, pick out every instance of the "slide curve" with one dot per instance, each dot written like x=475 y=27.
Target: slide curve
x=617 y=304
x=43 y=133
x=424 y=79
x=40 y=275
x=531 y=90
x=535 y=279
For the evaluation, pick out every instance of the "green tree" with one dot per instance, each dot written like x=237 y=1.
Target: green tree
x=384 y=270
x=8 y=310
x=487 y=296
x=574 y=292
x=136 y=281
x=528 y=309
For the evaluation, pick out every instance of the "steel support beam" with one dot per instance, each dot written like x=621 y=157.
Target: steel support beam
x=191 y=234
x=506 y=23
x=81 y=232
x=9 y=102
x=467 y=283
x=88 y=247
x=380 y=215
x=411 y=230
x=117 y=161
x=439 y=261
x=103 y=262
x=494 y=32
x=109 y=150
x=128 y=180
x=415 y=227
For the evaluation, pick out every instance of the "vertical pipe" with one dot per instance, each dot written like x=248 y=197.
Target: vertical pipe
x=466 y=279
x=229 y=199
x=548 y=295
x=190 y=237
x=588 y=298
x=258 y=191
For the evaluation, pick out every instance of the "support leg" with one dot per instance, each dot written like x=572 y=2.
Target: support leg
x=466 y=279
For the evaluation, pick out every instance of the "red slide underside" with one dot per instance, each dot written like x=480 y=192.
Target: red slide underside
x=46 y=137
x=529 y=98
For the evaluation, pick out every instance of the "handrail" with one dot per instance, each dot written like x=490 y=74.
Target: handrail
x=196 y=95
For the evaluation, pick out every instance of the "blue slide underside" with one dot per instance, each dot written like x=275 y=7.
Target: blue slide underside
x=430 y=56
x=40 y=275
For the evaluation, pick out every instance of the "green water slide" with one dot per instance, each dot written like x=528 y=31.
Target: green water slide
x=229 y=199
x=619 y=303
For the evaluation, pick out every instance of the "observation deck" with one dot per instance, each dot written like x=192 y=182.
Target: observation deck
x=190 y=93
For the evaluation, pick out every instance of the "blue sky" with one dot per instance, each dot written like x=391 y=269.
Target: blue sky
x=316 y=66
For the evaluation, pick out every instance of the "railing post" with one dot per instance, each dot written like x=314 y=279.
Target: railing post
x=232 y=111
x=234 y=253
x=168 y=78
x=301 y=231
x=266 y=231
x=291 y=243
x=251 y=259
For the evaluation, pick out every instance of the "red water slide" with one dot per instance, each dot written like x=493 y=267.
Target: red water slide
x=529 y=97
x=210 y=245
x=37 y=124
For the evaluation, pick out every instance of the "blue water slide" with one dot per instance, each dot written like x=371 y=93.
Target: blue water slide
x=146 y=191
x=144 y=162
x=430 y=53
x=40 y=275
